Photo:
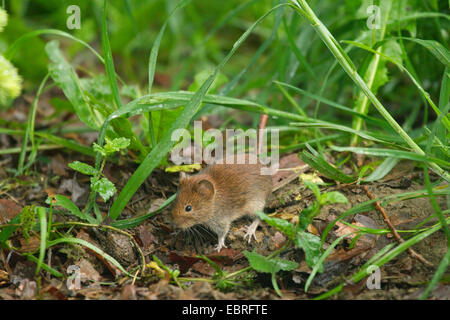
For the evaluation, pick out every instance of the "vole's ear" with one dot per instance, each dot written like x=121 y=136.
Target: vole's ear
x=205 y=188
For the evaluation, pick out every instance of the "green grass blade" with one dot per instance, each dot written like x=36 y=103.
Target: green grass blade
x=442 y=268
x=134 y=222
x=425 y=95
x=320 y=164
x=334 y=104
x=398 y=250
x=29 y=131
x=44 y=266
x=89 y=246
x=42 y=215
x=109 y=63
x=382 y=170
x=66 y=203
x=12 y=49
x=392 y=153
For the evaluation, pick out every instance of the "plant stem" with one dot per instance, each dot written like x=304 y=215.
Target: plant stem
x=363 y=107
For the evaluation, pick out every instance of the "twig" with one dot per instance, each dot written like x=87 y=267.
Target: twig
x=394 y=231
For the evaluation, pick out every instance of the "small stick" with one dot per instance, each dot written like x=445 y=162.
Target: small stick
x=394 y=232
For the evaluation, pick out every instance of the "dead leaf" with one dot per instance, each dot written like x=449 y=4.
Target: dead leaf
x=54 y=292
x=128 y=292
x=184 y=262
x=26 y=289
x=203 y=268
x=226 y=256
x=87 y=271
x=72 y=186
x=8 y=210
x=313 y=230
x=32 y=244
x=145 y=237
x=58 y=165
x=278 y=239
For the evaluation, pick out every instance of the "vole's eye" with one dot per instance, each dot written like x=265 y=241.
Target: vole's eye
x=188 y=208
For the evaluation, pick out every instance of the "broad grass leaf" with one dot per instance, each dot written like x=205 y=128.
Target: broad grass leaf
x=311 y=245
x=66 y=78
x=261 y=263
x=73 y=209
x=318 y=163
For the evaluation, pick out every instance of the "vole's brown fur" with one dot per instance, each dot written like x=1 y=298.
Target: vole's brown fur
x=220 y=194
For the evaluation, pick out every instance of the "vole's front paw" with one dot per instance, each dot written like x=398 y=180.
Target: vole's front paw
x=221 y=244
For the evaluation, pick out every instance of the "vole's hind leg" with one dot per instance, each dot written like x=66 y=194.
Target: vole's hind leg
x=251 y=230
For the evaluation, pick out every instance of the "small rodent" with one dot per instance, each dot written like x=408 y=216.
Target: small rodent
x=220 y=194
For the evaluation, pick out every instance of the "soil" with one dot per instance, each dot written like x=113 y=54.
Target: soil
x=405 y=277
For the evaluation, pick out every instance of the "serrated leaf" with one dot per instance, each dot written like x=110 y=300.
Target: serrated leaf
x=116 y=144
x=84 y=168
x=99 y=149
x=311 y=245
x=261 y=263
x=103 y=187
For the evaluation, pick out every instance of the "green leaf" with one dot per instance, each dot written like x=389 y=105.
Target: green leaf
x=317 y=162
x=134 y=222
x=393 y=154
x=332 y=197
x=283 y=225
x=116 y=145
x=43 y=224
x=66 y=78
x=84 y=168
x=261 y=263
x=383 y=169
x=109 y=63
x=104 y=187
x=436 y=48
x=73 y=209
x=311 y=245
x=313 y=187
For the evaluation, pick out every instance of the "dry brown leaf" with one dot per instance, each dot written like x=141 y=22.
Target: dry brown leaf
x=32 y=244
x=8 y=210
